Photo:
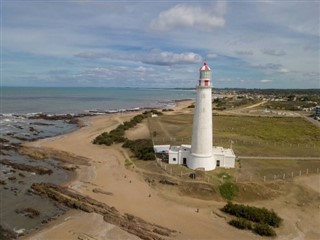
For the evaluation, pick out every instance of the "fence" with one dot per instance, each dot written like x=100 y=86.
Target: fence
x=183 y=173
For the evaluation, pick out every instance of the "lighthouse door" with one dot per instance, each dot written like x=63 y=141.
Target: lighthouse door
x=184 y=161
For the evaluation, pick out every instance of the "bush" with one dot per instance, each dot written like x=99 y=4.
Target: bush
x=241 y=223
x=258 y=215
x=228 y=190
x=117 y=135
x=264 y=230
x=142 y=148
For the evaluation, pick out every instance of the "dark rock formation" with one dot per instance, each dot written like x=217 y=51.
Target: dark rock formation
x=27 y=168
x=127 y=222
x=98 y=190
x=168 y=182
x=28 y=212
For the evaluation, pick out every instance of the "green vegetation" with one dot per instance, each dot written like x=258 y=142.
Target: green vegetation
x=264 y=230
x=224 y=176
x=290 y=105
x=228 y=190
x=127 y=163
x=117 y=135
x=241 y=223
x=251 y=136
x=263 y=218
x=258 y=215
x=227 y=103
x=141 y=148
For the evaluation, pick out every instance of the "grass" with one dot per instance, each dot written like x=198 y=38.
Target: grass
x=228 y=190
x=251 y=136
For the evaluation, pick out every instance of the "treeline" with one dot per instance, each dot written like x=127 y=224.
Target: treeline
x=142 y=148
x=259 y=220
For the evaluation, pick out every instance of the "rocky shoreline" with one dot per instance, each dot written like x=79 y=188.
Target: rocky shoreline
x=127 y=222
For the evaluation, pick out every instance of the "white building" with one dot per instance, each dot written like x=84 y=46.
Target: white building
x=201 y=154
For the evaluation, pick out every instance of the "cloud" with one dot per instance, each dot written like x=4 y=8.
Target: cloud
x=157 y=57
x=274 y=52
x=272 y=67
x=244 y=52
x=212 y=56
x=265 y=80
x=187 y=16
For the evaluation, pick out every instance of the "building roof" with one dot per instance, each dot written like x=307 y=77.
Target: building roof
x=223 y=151
x=205 y=67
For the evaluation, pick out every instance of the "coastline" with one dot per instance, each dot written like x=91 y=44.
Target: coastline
x=130 y=192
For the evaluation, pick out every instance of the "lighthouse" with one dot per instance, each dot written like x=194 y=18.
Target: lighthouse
x=201 y=146
x=201 y=154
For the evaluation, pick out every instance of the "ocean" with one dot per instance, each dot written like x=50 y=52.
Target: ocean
x=20 y=100
x=20 y=122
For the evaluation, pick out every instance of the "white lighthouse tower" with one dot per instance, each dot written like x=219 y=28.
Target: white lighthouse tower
x=201 y=154
x=201 y=147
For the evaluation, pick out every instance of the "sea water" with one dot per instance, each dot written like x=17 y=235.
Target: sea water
x=78 y=100
x=18 y=104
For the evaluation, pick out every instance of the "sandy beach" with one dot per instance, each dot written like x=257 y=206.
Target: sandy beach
x=130 y=193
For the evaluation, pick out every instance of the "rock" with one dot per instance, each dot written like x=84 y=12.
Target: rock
x=28 y=212
x=27 y=168
x=2 y=182
x=98 y=190
x=127 y=222
x=168 y=182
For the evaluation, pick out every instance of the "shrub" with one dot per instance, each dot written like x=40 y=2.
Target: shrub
x=258 y=215
x=117 y=135
x=228 y=190
x=264 y=230
x=142 y=148
x=241 y=223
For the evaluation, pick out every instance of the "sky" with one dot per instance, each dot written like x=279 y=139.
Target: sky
x=160 y=44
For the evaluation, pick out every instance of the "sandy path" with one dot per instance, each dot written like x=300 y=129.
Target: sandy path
x=130 y=192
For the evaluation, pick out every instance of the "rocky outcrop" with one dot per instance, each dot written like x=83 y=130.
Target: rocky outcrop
x=28 y=212
x=168 y=182
x=98 y=190
x=42 y=153
x=27 y=168
x=127 y=222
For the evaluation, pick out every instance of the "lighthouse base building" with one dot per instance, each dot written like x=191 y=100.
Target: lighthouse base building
x=201 y=154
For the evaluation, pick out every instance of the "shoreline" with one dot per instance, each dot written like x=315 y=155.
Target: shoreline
x=131 y=194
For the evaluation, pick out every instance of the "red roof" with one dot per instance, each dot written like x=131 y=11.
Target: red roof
x=205 y=67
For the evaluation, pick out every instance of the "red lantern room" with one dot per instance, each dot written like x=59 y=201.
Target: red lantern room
x=205 y=76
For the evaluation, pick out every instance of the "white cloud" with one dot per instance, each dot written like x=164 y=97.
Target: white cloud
x=283 y=70
x=158 y=57
x=274 y=52
x=187 y=16
x=265 y=80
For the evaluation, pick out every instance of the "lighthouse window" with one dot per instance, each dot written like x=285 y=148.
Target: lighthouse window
x=174 y=159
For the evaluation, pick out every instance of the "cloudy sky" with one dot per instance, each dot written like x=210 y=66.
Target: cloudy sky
x=153 y=43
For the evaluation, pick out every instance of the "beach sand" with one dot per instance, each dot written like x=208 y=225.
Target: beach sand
x=130 y=192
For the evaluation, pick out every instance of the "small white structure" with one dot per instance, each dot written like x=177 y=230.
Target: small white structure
x=201 y=154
